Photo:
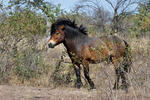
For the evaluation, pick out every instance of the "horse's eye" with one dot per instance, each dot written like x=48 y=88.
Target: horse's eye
x=57 y=33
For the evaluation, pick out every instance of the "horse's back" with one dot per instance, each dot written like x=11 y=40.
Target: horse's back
x=100 y=49
x=115 y=45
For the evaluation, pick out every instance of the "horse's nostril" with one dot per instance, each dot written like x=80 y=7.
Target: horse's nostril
x=50 y=45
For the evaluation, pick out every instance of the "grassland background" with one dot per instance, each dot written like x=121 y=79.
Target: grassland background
x=26 y=60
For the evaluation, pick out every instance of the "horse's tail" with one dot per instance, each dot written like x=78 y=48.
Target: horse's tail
x=127 y=58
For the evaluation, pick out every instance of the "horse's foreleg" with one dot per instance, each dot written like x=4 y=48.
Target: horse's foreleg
x=78 y=75
x=86 y=74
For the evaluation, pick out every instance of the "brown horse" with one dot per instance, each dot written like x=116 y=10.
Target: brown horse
x=85 y=50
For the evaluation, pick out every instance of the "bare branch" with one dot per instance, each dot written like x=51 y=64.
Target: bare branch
x=109 y=2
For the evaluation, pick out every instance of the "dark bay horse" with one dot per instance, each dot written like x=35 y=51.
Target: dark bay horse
x=84 y=50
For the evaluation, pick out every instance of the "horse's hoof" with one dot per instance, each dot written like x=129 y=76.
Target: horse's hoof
x=125 y=88
x=116 y=88
x=93 y=88
x=78 y=85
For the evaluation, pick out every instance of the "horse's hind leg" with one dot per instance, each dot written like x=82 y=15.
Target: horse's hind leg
x=86 y=74
x=121 y=72
x=124 y=80
x=127 y=61
x=118 y=71
x=125 y=71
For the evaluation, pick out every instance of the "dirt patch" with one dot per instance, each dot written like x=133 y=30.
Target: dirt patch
x=37 y=93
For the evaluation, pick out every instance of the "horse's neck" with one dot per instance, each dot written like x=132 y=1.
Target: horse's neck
x=74 y=39
x=75 y=44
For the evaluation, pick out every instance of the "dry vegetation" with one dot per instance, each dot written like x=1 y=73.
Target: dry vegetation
x=31 y=71
x=57 y=83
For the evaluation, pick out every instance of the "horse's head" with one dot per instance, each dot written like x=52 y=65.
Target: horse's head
x=58 y=28
x=57 y=36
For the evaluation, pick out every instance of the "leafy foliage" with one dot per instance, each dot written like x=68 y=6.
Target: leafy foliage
x=24 y=23
x=44 y=6
x=142 y=19
x=18 y=45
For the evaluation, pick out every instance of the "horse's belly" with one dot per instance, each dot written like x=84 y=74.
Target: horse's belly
x=96 y=56
x=96 y=52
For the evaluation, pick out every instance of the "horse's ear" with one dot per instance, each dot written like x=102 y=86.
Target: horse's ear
x=62 y=27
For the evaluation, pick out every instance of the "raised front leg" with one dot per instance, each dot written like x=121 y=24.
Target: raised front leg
x=86 y=74
x=78 y=75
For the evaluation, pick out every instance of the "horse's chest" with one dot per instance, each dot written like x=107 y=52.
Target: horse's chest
x=76 y=53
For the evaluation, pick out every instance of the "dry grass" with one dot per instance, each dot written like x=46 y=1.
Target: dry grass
x=38 y=93
x=61 y=76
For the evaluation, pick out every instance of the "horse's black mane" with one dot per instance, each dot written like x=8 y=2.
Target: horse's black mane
x=70 y=23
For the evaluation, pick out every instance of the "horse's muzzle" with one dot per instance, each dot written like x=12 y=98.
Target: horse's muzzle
x=50 y=45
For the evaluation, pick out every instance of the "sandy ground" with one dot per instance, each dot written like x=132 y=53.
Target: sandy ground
x=36 y=93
